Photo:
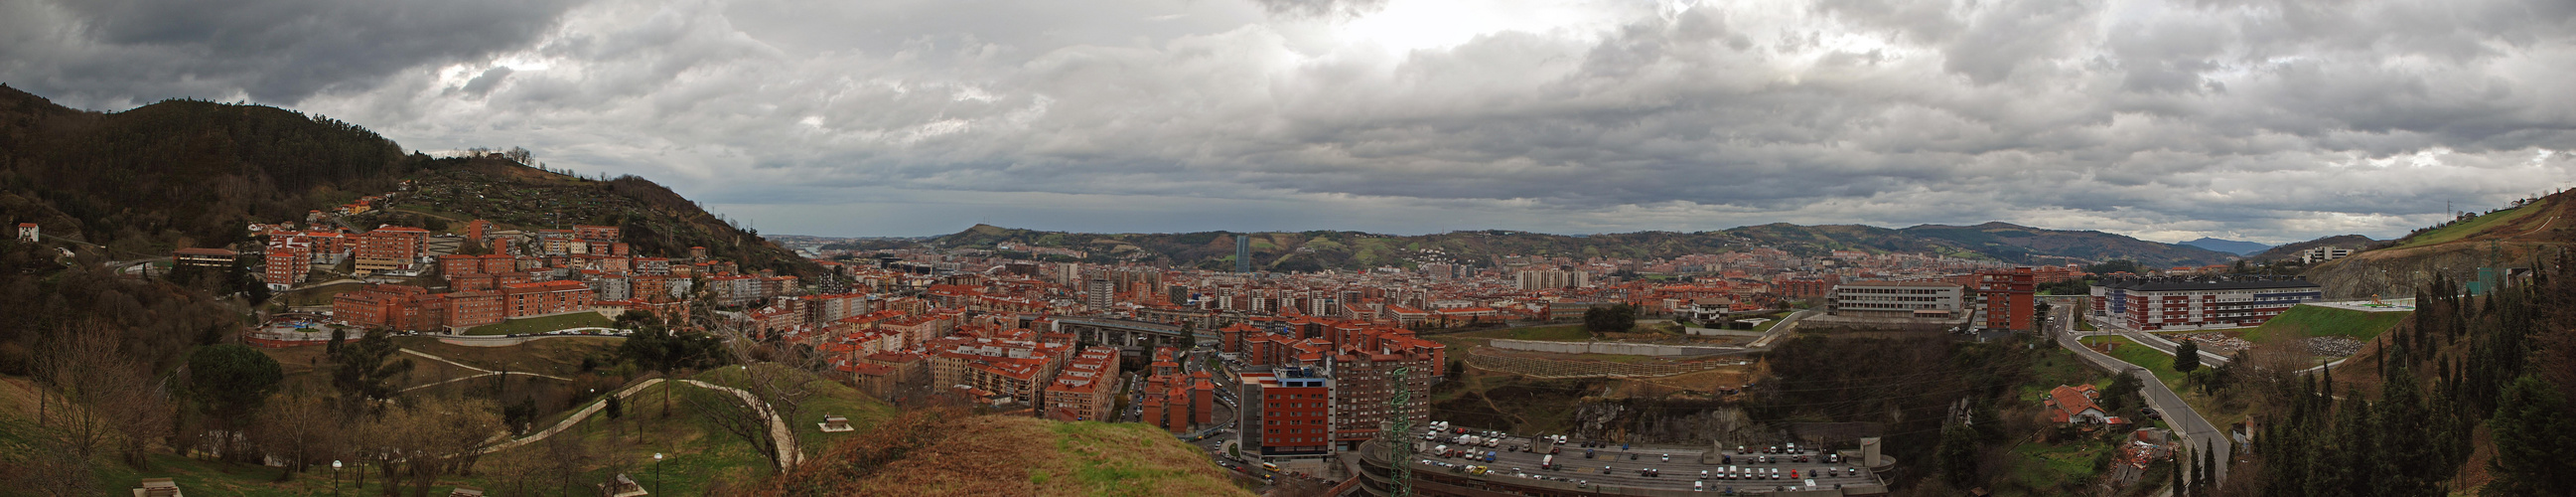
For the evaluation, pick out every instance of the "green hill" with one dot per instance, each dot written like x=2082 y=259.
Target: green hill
x=1316 y=250
x=933 y=453
x=2315 y=321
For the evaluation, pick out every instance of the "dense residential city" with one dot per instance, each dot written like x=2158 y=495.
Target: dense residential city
x=1287 y=248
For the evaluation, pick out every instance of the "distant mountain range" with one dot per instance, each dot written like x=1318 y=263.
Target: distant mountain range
x=1316 y=250
x=2228 y=246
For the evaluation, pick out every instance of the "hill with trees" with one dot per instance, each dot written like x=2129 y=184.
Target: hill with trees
x=2229 y=246
x=2291 y=251
x=2518 y=235
x=1350 y=250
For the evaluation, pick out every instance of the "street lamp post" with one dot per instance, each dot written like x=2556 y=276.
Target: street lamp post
x=657 y=472
x=335 y=477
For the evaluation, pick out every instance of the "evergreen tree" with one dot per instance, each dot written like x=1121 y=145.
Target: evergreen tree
x=2535 y=447
x=2179 y=489
x=2187 y=356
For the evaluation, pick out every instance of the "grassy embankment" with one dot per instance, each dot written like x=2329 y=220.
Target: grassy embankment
x=542 y=324
x=2315 y=321
x=2465 y=229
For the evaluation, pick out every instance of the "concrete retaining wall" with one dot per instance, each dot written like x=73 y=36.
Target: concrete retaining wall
x=1621 y=348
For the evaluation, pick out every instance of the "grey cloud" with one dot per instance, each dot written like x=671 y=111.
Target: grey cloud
x=268 y=50
x=482 y=84
x=2186 y=117
x=1321 y=8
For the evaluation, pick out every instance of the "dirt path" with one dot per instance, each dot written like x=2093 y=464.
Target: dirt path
x=788 y=455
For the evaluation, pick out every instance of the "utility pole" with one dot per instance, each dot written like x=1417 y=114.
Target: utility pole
x=1398 y=436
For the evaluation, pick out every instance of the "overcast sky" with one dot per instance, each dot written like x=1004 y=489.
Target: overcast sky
x=2269 y=121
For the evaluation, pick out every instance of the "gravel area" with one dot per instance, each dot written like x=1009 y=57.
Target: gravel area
x=2333 y=346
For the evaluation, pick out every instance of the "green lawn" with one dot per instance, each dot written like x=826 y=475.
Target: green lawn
x=541 y=324
x=2143 y=356
x=2042 y=469
x=2463 y=230
x=2316 y=321
x=1558 y=333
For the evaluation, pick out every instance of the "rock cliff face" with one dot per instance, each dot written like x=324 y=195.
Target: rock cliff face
x=1668 y=422
x=2535 y=229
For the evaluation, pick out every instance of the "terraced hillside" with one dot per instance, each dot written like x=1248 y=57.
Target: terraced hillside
x=2504 y=238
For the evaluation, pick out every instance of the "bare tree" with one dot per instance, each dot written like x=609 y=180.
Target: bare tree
x=91 y=379
x=431 y=437
x=303 y=428
x=566 y=457
x=780 y=388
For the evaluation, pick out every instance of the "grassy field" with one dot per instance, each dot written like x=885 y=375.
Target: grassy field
x=553 y=356
x=2058 y=366
x=2316 y=321
x=2143 y=356
x=317 y=295
x=541 y=324
x=2464 y=230
x=2062 y=469
x=831 y=398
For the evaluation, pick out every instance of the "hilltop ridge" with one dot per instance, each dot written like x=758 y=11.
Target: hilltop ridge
x=2506 y=237
x=1315 y=250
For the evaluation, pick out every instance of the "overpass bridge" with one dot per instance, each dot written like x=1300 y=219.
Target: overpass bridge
x=1127 y=333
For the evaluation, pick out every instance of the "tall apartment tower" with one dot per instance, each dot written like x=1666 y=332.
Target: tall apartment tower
x=1242 y=253
x=2008 y=296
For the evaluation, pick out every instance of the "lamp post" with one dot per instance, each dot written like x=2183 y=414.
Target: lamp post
x=657 y=472
x=335 y=477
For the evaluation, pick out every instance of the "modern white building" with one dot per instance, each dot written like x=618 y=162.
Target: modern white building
x=1897 y=299
x=2322 y=254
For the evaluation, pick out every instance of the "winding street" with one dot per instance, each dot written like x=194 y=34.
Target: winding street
x=2197 y=432
x=788 y=455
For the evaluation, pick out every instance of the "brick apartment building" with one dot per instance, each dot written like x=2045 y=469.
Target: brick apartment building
x=2195 y=303
x=288 y=260
x=2009 y=298
x=1018 y=369
x=395 y=307
x=391 y=248
x=1083 y=391
x=475 y=308
x=1365 y=387
x=544 y=297
x=1286 y=413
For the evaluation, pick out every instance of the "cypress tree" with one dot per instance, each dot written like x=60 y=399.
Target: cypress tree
x=2180 y=490
x=2203 y=478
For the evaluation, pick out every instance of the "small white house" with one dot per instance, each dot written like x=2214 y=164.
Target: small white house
x=27 y=232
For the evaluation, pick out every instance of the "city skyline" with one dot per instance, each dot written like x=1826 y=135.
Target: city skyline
x=2270 y=122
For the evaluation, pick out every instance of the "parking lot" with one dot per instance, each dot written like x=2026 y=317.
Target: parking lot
x=1675 y=468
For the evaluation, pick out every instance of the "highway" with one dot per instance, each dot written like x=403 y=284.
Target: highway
x=1676 y=474
x=2196 y=431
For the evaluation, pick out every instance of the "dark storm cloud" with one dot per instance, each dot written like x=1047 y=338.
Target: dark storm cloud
x=269 y=50
x=2272 y=120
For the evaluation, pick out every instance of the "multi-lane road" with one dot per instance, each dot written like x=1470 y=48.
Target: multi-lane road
x=2197 y=432
x=1678 y=467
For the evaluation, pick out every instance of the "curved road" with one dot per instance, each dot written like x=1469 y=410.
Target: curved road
x=788 y=456
x=2197 y=432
